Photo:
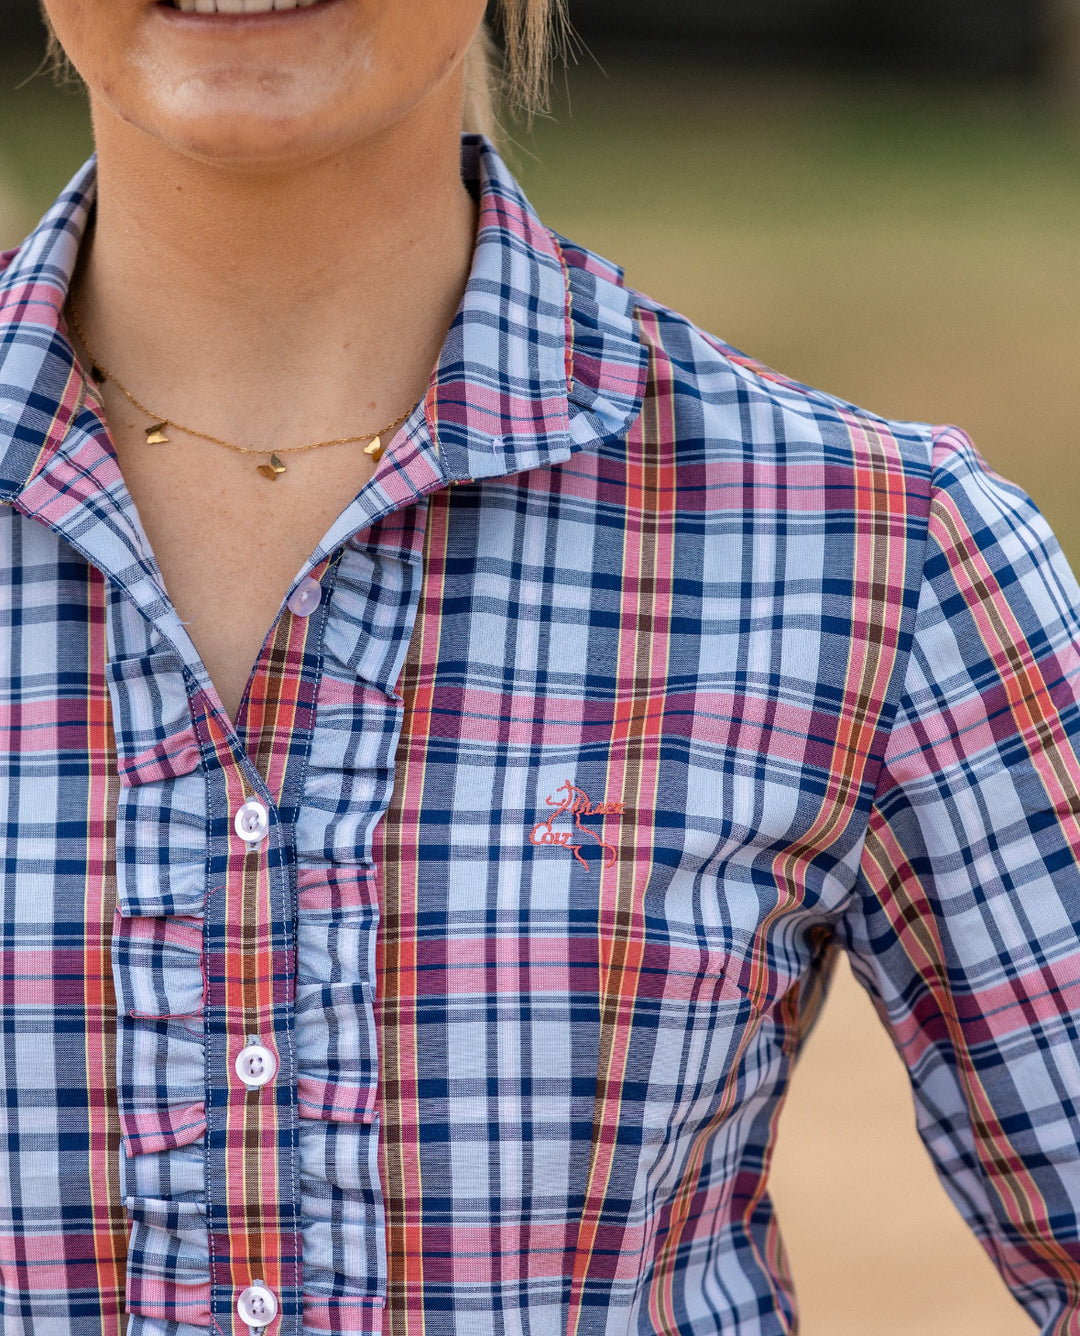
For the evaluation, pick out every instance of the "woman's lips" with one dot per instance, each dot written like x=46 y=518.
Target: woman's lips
x=235 y=8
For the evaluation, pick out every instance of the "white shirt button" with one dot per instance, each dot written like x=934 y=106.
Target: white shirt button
x=257 y=1305
x=255 y=1064
x=305 y=598
x=252 y=822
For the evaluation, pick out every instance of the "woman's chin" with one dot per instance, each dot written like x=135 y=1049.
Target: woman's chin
x=245 y=88
x=230 y=125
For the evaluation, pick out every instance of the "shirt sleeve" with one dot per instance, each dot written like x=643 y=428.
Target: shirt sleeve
x=965 y=927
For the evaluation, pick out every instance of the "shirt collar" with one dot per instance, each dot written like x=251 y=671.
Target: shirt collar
x=41 y=388
x=543 y=359
x=544 y=355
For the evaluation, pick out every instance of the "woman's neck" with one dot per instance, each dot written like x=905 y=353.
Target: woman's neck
x=302 y=301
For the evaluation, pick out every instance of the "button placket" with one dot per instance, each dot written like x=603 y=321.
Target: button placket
x=251 y=1005
x=249 y=952
x=249 y=1101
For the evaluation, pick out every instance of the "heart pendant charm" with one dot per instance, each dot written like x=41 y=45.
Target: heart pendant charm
x=374 y=448
x=155 y=435
x=272 y=469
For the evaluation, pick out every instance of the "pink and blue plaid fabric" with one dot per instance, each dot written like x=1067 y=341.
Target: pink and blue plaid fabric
x=643 y=682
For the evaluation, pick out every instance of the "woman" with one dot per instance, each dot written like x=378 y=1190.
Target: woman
x=463 y=946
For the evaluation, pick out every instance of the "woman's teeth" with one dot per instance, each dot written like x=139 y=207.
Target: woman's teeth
x=240 y=6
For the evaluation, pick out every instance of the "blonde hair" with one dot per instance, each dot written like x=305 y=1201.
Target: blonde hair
x=532 y=30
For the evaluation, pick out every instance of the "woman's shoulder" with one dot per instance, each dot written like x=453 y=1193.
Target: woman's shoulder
x=721 y=400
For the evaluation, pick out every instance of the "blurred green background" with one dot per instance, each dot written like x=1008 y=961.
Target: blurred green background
x=893 y=223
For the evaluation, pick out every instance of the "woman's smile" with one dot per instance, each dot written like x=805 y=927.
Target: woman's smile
x=232 y=11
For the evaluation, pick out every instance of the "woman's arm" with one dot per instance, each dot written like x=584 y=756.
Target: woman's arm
x=966 y=930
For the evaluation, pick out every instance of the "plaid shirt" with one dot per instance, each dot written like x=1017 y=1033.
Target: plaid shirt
x=643 y=680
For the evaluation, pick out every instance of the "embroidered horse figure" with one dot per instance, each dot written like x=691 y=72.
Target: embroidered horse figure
x=570 y=800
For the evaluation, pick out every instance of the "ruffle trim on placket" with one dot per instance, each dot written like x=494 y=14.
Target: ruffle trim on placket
x=161 y=824
x=159 y=977
x=341 y=1207
x=168 y=1261
x=348 y=783
x=347 y=788
x=350 y=769
x=335 y=1015
x=161 y=1069
x=340 y=1195
x=343 y=1226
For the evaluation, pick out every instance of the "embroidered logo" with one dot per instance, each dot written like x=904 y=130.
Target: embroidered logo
x=570 y=801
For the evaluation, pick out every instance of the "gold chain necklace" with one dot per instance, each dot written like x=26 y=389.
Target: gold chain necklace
x=156 y=432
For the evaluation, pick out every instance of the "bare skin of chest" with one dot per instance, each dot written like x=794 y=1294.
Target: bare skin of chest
x=229 y=542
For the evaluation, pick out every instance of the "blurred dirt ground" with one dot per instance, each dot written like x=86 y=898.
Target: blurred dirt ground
x=876 y=1247
x=910 y=247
